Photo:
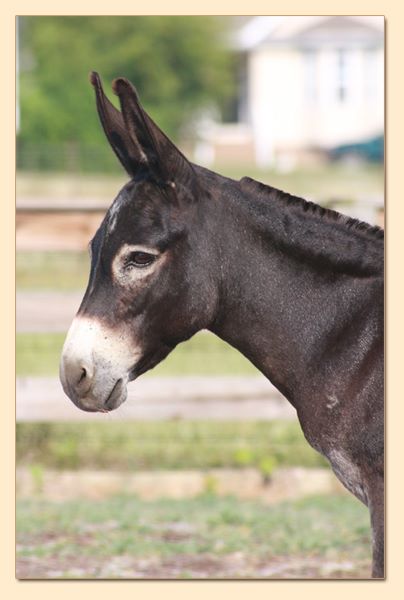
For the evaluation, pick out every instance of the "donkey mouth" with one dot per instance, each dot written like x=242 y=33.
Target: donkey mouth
x=117 y=396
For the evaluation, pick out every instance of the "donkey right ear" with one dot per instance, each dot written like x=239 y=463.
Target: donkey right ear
x=123 y=144
x=165 y=162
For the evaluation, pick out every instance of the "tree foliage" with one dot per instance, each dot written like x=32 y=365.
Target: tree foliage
x=178 y=64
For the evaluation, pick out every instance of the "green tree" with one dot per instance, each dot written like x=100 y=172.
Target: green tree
x=178 y=64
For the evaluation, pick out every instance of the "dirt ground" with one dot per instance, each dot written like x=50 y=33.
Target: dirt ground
x=206 y=566
x=236 y=565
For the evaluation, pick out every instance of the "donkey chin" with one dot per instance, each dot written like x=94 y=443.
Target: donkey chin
x=96 y=365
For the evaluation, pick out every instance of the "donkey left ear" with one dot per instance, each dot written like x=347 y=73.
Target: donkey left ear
x=164 y=160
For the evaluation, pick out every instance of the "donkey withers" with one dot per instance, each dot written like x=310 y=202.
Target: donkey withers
x=296 y=288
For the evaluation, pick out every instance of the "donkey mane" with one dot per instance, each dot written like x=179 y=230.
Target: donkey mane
x=271 y=193
x=320 y=237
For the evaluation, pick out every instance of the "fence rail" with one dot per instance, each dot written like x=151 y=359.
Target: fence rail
x=163 y=398
x=50 y=205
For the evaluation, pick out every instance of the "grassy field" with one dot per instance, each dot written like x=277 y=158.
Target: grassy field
x=132 y=446
x=204 y=354
x=206 y=536
x=52 y=271
x=325 y=182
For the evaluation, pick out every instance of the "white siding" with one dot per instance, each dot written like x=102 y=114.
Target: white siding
x=313 y=82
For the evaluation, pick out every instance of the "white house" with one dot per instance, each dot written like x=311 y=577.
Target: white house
x=306 y=83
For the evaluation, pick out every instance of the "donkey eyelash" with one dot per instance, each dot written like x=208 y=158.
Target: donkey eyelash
x=132 y=262
x=139 y=260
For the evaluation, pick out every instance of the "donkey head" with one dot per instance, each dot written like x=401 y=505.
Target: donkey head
x=150 y=284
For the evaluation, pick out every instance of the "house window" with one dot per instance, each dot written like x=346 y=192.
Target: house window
x=310 y=67
x=371 y=74
x=342 y=79
x=235 y=108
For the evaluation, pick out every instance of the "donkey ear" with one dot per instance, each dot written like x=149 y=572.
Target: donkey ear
x=164 y=160
x=125 y=147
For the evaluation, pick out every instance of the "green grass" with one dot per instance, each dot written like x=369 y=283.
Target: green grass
x=52 y=271
x=204 y=354
x=38 y=353
x=322 y=181
x=64 y=185
x=164 y=445
x=326 y=526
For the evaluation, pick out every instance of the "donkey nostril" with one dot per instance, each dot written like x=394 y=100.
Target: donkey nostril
x=83 y=375
x=76 y=373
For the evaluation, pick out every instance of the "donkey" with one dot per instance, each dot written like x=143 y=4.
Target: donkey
x=296 y=288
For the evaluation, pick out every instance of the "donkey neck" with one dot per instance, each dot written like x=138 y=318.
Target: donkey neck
x=293 y=279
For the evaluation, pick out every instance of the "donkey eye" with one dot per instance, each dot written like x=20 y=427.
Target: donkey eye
x=139 y=259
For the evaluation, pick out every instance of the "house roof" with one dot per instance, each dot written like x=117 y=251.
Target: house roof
x=280 y=29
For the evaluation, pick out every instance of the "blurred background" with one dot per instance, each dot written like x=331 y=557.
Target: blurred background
x=204 y=471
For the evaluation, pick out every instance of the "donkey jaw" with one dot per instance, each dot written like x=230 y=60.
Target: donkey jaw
x=95 y=365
